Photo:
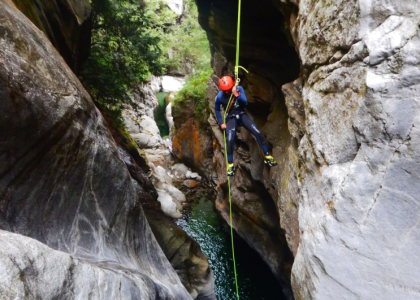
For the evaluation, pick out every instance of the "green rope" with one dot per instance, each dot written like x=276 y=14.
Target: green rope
x=230 y=204
x=224 y=136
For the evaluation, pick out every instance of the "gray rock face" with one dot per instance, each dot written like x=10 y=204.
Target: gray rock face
x=66 y=23
x=32 y=270
x=139 y=119
x=359 y=194
x=63 y=182
x=346 y=189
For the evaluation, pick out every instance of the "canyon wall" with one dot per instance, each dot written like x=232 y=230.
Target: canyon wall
x=66 y=23
x=64 y=185
x=334 y=86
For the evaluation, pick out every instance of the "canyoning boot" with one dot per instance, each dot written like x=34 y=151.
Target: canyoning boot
x=269 y=161
x=230 y=170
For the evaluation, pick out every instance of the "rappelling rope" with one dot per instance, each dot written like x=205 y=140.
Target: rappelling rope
x=224 y=135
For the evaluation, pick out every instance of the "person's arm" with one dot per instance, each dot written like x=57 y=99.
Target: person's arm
x=217 y=109
x=241 y=98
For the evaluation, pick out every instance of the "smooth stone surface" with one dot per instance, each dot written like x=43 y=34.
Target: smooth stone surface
x=32 y=270
x=64 y=183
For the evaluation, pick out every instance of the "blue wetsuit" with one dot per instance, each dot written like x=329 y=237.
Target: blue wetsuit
x=237 y=117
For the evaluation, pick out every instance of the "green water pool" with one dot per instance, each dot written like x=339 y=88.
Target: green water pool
x=256 y=281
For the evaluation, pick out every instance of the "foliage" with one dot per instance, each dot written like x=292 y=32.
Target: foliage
x=123 y=52
x=195 y=90
x=188 y=52
x=132 y=40
x=184 y=44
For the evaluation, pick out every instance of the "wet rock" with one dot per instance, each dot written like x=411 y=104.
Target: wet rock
x=64 y=183
x=31 y=269
x=183 y=252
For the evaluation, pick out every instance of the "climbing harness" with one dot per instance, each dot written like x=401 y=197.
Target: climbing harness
x=230 y=168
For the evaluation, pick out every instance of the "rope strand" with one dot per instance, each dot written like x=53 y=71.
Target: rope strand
x=224 y=135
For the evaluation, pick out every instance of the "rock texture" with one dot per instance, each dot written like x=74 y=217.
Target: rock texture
x=344 y=126
x=359 y=189
x=63 y=183
x=32 y=270
x=138 y=116
x=259 y=205
x=183 y=252
x=66 y=23
x=192 y=141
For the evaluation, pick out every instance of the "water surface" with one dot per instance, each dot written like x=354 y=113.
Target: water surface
x=256 y=282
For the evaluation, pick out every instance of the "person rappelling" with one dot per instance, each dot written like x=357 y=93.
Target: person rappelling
x=235 y=116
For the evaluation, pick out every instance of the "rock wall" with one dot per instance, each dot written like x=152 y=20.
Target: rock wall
x=359 y=188
x=66 y=23
x=262 y=214
x=192 y=141
x=64 y=183
x=345 y=132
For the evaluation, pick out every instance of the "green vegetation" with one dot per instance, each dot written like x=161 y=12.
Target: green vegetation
x=123 y=52
x=195 y=90
x=193 y=55
x=186 y=47
x=132 y=40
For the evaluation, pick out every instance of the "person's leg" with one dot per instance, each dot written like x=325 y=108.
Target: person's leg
x=250 y=125
x=230 y=138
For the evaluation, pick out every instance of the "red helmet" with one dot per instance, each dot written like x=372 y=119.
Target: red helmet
x=226 y=83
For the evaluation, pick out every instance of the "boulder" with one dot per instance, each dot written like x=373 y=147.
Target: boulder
x=155 y=84
x=168 y=205
x=169 y=118
x=143 y=129
x=179 y=171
